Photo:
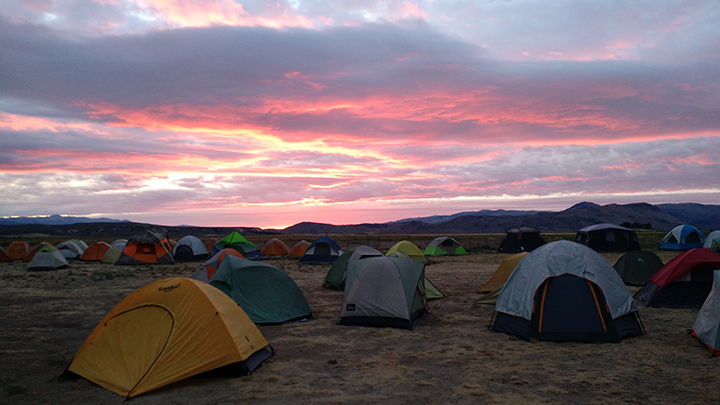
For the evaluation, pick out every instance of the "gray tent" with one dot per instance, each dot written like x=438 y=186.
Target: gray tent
x=566 y=291
x=384 y=291
x=335 y=278
x=637 y=266
x=190 y=248
x=707 y=322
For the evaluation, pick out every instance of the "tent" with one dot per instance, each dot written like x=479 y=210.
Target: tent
x=707 y=322
x=523 y=239
x=299 y=249
x=95 y=252
x=18 y=250
x=190 y=249
x=565 y=291
x=409 y=249
x=608 y=238
x=207 y=269
x=685 y=281
x=209 y=244
x=119 y=243
x=235 y=240
x=112 y=255
x=710 y=238
x=266 y=293
x=72 y=249
x=715 y=247
x=149 y=247
x=506 y=267
x=384 y=291
x=47 y=257
x=323 y=250
x=4 y=257
x=31 y=254
x=637 y=266
x=444 y=245
x=275 y=247
x=683 y=237
x=167 y=331
x=335 y=278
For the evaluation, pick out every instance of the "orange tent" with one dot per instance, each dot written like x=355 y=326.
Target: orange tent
x=205 y=271
x=299 y=249
x=275 y=247
x=95 y=252
x=18 y=250
x=149 y=247
x=4 y=256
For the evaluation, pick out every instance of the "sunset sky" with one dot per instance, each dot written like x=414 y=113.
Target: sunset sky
x=270 y=113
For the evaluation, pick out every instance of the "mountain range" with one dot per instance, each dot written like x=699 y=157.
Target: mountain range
x=662 y=217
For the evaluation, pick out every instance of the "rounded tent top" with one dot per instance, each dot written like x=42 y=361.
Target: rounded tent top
x=409 y=249
x=683 y=237
x=444 y=245
x=710 y=238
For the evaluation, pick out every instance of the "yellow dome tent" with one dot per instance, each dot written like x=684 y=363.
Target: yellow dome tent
x=502 y=273
x=166 y=331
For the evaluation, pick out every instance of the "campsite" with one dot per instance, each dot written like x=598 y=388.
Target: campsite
x=449 y=356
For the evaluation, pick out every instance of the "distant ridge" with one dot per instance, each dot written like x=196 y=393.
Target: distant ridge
x=54 y=219
x=435 y=219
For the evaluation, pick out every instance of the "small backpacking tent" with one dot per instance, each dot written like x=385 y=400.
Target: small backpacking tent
x=17 y=250
x=523 y=239
x=166 y=331
x=685 y=281
x=4 y=257
x=235 y=240
x=266 y=293
x=565 y=291
x=608 y=238
x=444 y=245
x=112 y=255
x=299 y=249
x=46 y=258
x=275 y=247
x=683 y=237
x=503 y=271
x=149 y=247
x=322 y=250
x=95 y=252
x=409 y=249
x=707 y=322
x=637 y=266
x=72 y=249
x=190 y=249
x=335 y=277
x=31 y=254
x=207 y=269
x=384 y=291
x=710 y=238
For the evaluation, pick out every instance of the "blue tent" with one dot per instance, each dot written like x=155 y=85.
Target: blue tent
x=323 y=250
x=683 y=237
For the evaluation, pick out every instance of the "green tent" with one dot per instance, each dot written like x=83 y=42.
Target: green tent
x=335 y=278
x=266 y=293
x=384 y=291
x=443 y=246
x=637 y=266
x=409 y=249
x=112 y=254
x=234 y=240
x=47 y=257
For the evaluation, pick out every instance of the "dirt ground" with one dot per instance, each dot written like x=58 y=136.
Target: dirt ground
x=451 y=356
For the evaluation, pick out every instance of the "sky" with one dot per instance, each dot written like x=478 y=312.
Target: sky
x=267 y=114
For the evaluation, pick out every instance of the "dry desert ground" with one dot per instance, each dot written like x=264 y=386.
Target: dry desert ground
x=450 y=357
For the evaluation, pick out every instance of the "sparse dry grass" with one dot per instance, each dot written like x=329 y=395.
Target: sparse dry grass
x=451 y=356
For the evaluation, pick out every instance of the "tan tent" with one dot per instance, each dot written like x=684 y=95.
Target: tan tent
x=502 y=273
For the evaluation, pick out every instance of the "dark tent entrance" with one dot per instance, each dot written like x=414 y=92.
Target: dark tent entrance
x=569 y=308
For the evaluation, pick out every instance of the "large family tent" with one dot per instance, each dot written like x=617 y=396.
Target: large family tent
x=384 y=291
x=638 y=266
x=323 y=250
x=149 y=247
x=683 y=237
x=190 y=249
x=684 y=281
x=710 y=238
x=444 y=245
x=565 y=291
x=707 y=322
x=299 y=249
x=166 y=331
x=523 y=239
x=18 y=250
x=72 y=249
x=335 y=277
x=267 y=294
x=275 y=247
x=234 y=240
x=207 y=269
x=409 y=248
x=4 y=257
x=503 y=271
x=47 y=257
x=608 y=238
x=95 y=252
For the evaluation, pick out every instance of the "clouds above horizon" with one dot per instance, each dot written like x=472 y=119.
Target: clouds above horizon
x=317 y=110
